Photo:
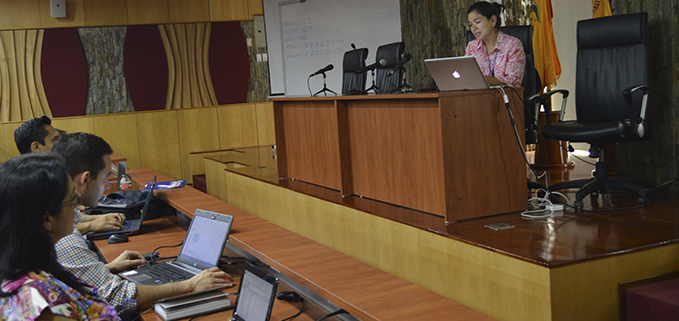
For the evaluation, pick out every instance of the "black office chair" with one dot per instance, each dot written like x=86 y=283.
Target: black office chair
x=531 y=79
x=392 y=53
x=352 y=83
x=610 y=101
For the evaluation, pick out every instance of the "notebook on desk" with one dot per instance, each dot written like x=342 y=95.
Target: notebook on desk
x=202 y=249
x=256 y=295
x=456 y=73
x=130 y=227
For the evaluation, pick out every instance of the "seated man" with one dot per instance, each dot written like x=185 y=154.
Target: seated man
x=88 y=160
x=37 y=135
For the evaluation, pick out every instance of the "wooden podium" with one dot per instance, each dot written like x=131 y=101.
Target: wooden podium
x=451 y=154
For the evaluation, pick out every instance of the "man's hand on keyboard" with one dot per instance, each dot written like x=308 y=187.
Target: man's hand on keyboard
x=98 y=223
x=208 y=279
x=128 y=260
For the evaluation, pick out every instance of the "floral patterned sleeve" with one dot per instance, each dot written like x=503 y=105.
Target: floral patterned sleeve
x=39 y=291
x=514 y=62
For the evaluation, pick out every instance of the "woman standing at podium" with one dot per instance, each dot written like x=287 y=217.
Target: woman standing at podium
x=37 y=203
x=499 y=55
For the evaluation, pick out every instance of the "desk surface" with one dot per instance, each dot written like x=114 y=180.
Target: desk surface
x=365 y=291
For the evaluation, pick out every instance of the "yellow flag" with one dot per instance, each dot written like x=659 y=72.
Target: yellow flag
x=601 y=8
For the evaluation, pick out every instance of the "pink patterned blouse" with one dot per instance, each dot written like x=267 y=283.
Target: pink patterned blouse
x=506 y=62
x=40 y=291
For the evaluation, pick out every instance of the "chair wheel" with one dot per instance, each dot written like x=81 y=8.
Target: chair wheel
x=642 y=200
x=579 y=205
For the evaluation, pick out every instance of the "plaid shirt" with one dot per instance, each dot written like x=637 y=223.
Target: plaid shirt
x=506 y=62
x=77 y=258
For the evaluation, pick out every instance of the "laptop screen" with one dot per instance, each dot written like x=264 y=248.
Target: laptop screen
x=256 y=295
x=205 y=239
x=149 y=196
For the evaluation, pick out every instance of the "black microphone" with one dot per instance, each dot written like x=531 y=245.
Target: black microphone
x=400 y=64
x=320 y=71
x=382 y=62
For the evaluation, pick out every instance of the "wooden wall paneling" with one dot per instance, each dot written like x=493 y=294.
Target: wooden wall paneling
x=215 y=179
x=120 y=131
x=148 y=12
x=159 y=142
x=409 y=128
x=495 y=284
x=201 y=93
x=168 y=37
x=10 y=146
x=266 y=132
x=40 y=89
x=229 y=10
x=192 y=79
x=180 y=31
x=11 y=80
x=256 y=7
x=5 y=84
x=19 y=14
x=83 y=124
x=34 y=84
x=198 y=129
x=211 y=98
x=589 y=290
x=237 y=126
x=26 y=110
x=189 y=11
x=105 y=12
x=75 y=15
x=5 y=143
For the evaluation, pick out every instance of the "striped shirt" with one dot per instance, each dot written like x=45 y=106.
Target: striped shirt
x=77 y=258
x=506 y=62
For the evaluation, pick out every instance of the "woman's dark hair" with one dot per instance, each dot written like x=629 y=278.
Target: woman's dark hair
x=30 y=186
x=488 y=10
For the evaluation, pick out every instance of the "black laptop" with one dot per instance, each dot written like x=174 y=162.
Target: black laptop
x=130 y=227
x=256 y=295
x=202 y=249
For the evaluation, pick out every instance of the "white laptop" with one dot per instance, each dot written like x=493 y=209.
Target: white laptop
x=456 y=73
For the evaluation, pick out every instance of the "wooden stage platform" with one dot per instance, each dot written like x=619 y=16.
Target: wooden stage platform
x=564 y=267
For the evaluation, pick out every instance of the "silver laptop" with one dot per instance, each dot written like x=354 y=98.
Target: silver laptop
x=202 y=249
x=456 y=73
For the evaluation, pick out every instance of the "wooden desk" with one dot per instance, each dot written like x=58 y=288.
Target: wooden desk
x=365 y=291
x=441 y=153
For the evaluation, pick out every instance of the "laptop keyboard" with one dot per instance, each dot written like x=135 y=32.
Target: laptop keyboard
x=168 y=273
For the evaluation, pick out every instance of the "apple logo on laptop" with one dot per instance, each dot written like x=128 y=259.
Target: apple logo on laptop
x=456 y=74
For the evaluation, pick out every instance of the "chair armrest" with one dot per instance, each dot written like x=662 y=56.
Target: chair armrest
x=544 y=97
x=628 y=98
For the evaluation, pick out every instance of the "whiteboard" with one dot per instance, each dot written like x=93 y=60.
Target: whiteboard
x=303 y=37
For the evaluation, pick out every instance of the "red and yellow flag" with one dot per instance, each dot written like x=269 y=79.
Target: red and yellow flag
x=601 y=8
x=544 y=48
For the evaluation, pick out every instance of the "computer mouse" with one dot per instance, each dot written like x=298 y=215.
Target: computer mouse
x=117 y=238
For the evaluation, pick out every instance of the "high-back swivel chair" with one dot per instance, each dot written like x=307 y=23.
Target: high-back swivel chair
x=610 y=98
x=385 y=81
x=531 y=79
x=354 y=60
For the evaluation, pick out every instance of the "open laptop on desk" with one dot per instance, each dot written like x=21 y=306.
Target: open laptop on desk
x=130 y=227
x=256 y=295
x=457 y=73
x=202 y=249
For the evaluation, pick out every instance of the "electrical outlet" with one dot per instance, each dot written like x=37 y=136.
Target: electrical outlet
x=58 y=8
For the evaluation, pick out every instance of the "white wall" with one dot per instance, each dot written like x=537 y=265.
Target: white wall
x=566 y=15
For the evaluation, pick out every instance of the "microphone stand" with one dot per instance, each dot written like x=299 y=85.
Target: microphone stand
x=325 y=89
x=404 y=87
x=373 y=87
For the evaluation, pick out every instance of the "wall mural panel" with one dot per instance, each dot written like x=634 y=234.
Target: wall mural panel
x=78 y=71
